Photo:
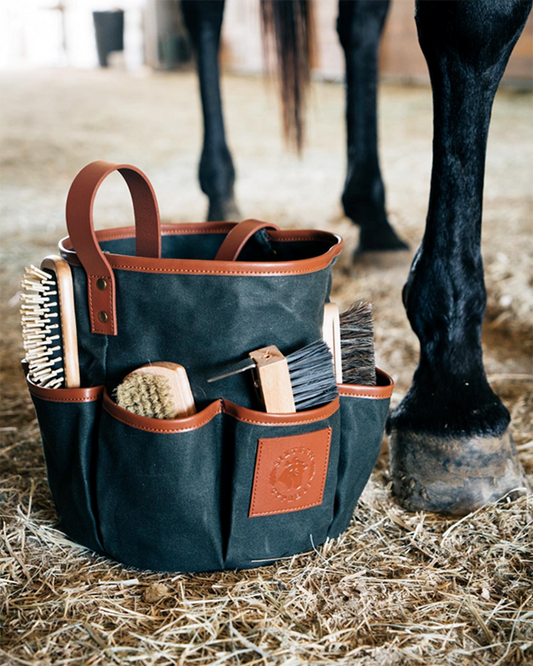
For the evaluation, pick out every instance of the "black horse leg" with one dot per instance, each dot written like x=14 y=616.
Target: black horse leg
x=451 y=448
x=217 y=174
x=359 y=25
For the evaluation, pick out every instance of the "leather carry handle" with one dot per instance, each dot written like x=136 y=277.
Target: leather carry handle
x=80 y=203
x=238 y=237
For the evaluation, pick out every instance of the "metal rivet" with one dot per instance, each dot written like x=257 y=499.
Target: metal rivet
x=102 y=316
x=101 y=284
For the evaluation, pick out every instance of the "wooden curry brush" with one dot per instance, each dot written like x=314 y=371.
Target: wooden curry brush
x=157 y=390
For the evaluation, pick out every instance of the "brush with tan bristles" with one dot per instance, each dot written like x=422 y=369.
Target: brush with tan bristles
x=158 y=391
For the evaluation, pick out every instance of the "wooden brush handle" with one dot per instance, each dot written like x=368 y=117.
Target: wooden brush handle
x=179 y=385
x=331 y=334
x=274 y=380
x=67 y=315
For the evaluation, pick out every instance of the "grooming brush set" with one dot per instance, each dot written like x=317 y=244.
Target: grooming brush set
x=202 y=403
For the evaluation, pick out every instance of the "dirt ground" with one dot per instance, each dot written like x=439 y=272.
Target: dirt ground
x=396 y=588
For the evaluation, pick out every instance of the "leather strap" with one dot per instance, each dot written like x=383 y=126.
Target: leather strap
x=238 y=237
x=80 y=203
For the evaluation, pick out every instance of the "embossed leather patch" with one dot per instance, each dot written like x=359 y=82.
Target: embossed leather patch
x=290 y=473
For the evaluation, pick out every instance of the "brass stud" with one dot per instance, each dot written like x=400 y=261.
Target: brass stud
x=101 y=284
x=102 y=316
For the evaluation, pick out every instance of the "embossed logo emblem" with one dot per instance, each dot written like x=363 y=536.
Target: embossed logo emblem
x=290 y=473
x=293 y=474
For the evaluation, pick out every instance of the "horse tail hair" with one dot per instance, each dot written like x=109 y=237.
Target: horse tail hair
x=290 y=23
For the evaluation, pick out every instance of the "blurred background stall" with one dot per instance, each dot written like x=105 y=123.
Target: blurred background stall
x=38 y=34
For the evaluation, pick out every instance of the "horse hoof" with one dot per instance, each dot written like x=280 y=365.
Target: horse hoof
x=453 y=476
x=379 y=239
x=223 y=211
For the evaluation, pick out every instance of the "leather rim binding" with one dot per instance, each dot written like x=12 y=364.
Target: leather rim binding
x=262 y=418
x=65 y=394
x=161 y=425
x=212 y=267
x=383 y=390
x=208 y=414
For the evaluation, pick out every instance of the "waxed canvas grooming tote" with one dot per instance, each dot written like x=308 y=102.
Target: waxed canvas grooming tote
x=230 y=486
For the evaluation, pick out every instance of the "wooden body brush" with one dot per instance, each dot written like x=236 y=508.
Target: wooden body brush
x=350 y=337
x=288 y=384
x=48 y=323
x=158 y=391
x=357 y=345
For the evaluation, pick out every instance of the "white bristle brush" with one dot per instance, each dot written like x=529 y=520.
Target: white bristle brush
x=49 y=324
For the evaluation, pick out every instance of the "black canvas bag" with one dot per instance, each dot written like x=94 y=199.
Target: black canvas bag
x=230 y=487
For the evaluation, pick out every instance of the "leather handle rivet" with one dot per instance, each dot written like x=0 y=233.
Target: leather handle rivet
x=101 y=284
x=102 y=316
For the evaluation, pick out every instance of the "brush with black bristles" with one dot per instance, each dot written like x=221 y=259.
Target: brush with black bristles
x=357 y=345
x=302 y=380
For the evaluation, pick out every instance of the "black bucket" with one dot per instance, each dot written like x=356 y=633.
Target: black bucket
x=109 y=30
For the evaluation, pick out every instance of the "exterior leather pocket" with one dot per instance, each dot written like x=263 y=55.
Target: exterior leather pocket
x=68 y=420
x=282 y=486
x=158 y=485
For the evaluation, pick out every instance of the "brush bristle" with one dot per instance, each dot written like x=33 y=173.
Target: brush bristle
x=357 y=345
x=312 y=376
x=146 y=395
x=41 y=339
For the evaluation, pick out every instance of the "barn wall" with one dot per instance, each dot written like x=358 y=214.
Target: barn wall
x=401 y=57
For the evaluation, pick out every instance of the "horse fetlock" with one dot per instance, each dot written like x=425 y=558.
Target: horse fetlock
x=218 y=186
x=364 y=193
x=444 y=402
x=380 y=237
x=363 y=202
x=454 y=475
x=223 y=210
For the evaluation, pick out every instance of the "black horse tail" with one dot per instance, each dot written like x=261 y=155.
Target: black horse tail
x=290 y=22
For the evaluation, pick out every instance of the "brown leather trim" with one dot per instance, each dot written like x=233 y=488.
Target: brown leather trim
x=167 y=229
x=161 y=425
x=194 y=228
x=79 y=213
x=207 y=267
x=382 y=391
x=65 y=395
x=237 y=238
x=262 y=418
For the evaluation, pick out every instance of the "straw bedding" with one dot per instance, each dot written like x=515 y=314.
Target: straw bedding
x=396 y=588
